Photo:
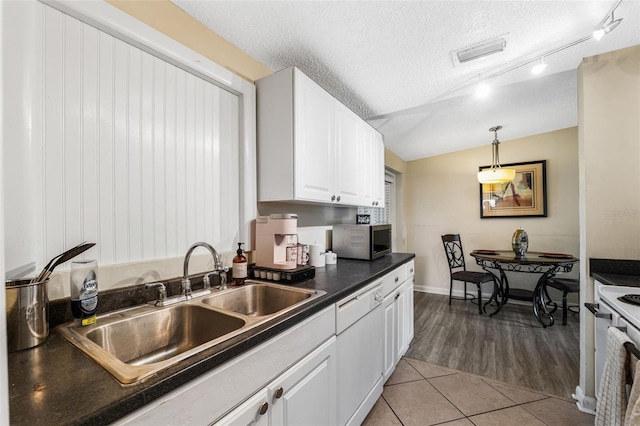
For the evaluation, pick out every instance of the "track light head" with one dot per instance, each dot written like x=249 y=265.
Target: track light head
x=606 y=28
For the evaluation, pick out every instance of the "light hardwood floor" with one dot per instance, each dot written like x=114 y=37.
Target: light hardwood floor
x=510 y=347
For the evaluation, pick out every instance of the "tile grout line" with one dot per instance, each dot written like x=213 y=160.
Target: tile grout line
x=391 y=408
x=486 y=381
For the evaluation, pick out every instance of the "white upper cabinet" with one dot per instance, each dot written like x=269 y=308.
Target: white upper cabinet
x=348 y=156
x=312 y=148
x=313 y=132
x=373 y=168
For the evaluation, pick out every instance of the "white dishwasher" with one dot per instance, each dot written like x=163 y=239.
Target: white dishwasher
x=359 y=325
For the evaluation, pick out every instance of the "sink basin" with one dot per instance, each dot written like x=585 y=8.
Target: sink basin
x=259 y=299
x=135 y=343
x=160 y=335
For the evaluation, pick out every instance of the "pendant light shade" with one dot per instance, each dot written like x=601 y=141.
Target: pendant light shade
x=496 y=174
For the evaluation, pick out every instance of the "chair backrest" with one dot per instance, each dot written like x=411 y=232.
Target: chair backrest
x=453 y=249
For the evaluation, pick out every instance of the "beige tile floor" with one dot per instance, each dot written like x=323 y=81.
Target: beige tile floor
x=419 y=393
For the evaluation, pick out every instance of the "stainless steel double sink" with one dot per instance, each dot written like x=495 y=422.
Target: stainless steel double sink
x=134 y=343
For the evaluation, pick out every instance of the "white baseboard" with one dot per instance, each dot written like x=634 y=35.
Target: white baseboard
x=471 y=290
x=586 y=404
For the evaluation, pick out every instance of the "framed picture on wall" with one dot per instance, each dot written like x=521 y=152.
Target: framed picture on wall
x=525 y=196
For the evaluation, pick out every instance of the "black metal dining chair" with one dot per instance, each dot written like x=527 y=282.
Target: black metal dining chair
x=566 y=286
x=458 y=271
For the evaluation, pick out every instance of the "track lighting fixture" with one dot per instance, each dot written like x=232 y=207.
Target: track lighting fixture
x=539 y=67
x=603 y=29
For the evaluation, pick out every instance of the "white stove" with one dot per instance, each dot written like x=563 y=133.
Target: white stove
x=610 y=311
x=610 y=294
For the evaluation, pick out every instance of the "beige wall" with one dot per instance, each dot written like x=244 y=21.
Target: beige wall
x=442 y=196
x=393 y=162
x=609 y=122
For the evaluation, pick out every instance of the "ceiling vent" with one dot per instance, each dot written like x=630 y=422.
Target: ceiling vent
x=481 y=50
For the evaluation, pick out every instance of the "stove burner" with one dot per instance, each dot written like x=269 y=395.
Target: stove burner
x=633 y=299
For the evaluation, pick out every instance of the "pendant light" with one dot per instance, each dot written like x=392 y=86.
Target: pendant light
x=496 y=174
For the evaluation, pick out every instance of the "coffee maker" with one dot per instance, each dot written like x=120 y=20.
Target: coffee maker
x=277 y=241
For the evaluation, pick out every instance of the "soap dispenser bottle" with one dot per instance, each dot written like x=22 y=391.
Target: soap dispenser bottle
x=239 y=266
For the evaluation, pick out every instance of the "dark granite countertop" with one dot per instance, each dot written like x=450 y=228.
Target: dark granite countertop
x=618 y=272
x=617 y=279
x=55 y=383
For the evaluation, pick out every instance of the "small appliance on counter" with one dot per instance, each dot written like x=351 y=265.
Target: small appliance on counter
x=277 y=241
x=366 y=242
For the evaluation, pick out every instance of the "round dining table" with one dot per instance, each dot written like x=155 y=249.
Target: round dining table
x=498 y=262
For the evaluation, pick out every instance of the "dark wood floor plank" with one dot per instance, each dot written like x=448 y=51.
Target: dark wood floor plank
x=511 y=347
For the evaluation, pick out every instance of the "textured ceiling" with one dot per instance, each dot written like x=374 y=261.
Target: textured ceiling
x=391 y=61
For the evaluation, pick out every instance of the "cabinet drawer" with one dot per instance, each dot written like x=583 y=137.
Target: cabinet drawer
x=393 y=279
x=410 y=268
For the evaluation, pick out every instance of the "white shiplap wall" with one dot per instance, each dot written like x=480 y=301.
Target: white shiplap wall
x=125 y=150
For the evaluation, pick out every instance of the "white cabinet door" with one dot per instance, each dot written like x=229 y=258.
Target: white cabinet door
x=389 y=329
x=252 y=412
x=377 y=175
x=373 y=168
x=404 y=317
x=409 y=312
x=401 y=330
x=305 y=395
x=368 y=163
x=314 y=135
x=398 y=315
x=348 y=157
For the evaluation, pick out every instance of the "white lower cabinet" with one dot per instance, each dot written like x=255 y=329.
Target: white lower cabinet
x=389 y=340
x=404 y=317
x=304 y=395
x=398 y=320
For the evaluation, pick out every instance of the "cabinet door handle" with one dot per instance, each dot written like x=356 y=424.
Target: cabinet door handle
x=397 y=295
x=263 y=408
x=278 y=393
x=338 y=198
x=397 y=279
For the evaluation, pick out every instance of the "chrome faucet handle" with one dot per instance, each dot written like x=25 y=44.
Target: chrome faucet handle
x=186 y=287
x=162 y=291
x=223 y=278
x=206 y=281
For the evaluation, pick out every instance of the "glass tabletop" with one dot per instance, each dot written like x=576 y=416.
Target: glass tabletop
x=531 y=257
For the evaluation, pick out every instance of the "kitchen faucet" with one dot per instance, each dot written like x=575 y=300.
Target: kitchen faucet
x=217 y=266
